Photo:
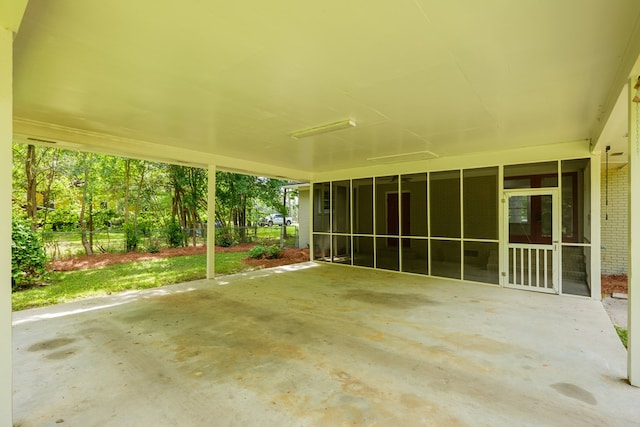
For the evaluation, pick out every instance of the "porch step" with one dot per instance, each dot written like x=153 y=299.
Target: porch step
x=574 y=275
x=574 y=267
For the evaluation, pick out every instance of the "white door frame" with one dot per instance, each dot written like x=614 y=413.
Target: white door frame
x=554 y=247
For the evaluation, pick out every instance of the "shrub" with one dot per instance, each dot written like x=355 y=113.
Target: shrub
x=269 y=252
x=175 y=236
x=154 y=246
x=28 y=259
x=225 y=237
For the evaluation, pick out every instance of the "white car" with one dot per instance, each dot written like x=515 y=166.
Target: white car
x=276 y=219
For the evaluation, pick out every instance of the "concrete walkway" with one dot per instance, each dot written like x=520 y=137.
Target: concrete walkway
x=322 y=345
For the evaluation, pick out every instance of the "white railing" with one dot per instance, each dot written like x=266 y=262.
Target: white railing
x=531 y=267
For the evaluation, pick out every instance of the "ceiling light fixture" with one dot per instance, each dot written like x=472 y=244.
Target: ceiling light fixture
x=329 y=127
x=417 y=155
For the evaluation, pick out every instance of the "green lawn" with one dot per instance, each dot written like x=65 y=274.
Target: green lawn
x=73 y=285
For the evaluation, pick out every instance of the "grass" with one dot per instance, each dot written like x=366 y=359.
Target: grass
x=74 y=285
x=622 y=333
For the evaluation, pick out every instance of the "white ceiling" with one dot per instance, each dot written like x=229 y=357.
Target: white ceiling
x=228 y=82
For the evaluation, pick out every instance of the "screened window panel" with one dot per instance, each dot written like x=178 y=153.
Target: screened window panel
x=481 y=203
x=362 y=206
x=445 y=258
x=321 y=207
x=363 y=251
x=444 y=203
x=575 y=265
x=415 y=256
x=342 y=249
x=387 y=253
x=341 y=206
x=576 y=200
x=321 y=247
x=414 y=205
x=481 y=262
x=387 y=214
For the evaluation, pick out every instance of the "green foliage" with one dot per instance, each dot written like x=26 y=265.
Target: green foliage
x=623 y=334
x=104 y=218
x=153 y=246
x=63 y=219
x=225 y=237
x=28 y=259
x=100 y=193
x=174 y=234
x=131 y=237
x=144 y=228
x=269 y=252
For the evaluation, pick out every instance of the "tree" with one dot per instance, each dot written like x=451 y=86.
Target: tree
x=236 y=194
x=40 y=168
x=32 y=184
x=86 y=199
x=189 y=197
x=86 y=192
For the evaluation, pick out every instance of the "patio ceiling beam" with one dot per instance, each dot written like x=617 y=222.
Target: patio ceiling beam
x=41 y=133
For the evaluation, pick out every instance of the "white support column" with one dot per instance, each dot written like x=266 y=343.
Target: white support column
x=6 y=135
x=503 y=258
x=211 y=223
x=594 y=218
x=311 y=219
x=633 y=363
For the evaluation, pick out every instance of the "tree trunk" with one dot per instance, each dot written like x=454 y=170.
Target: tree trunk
x=83 y=206
x=83 y=224
x=127 y=179
x=91 y=223
x=138 y=197
x=242 y=218
x=30 y=169
x=50 y=178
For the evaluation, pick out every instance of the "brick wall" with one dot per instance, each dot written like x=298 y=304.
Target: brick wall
x=614 y=254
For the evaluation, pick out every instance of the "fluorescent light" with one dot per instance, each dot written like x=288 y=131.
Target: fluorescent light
x=329 y=127
x=417 y=155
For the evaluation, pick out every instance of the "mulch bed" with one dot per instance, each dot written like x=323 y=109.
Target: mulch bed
x=288 y=256
x=614 y=283
x=86 y=262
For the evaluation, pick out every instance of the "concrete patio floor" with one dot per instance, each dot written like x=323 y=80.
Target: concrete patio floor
x=321 y=345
